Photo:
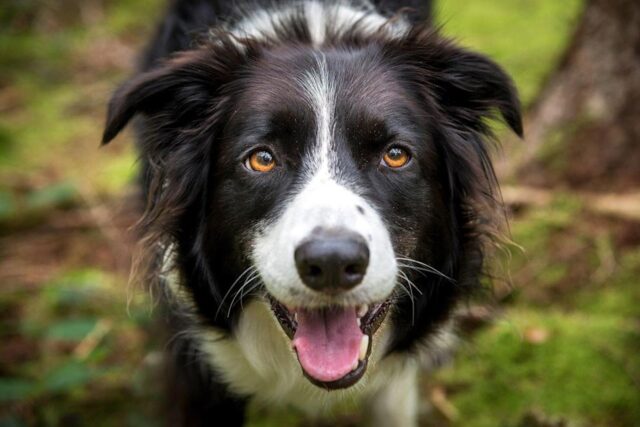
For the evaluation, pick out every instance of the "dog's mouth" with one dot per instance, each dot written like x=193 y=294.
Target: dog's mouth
x=333 y=344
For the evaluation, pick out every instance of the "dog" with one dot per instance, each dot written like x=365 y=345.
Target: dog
x=319 y=199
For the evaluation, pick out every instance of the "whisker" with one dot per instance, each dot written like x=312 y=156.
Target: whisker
x=249 y=281
x=252 y=269
x=421 y=267
x=411 y=287
x=406 y=278
x=251 y=289
x=427 y=270
x=410 y=295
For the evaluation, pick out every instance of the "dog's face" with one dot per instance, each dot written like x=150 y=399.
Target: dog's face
x=341 y=183
x=327 y=164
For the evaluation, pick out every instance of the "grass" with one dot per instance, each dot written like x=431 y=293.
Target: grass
x=76 y=352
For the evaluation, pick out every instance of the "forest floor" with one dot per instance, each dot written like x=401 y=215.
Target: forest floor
x=558 y=348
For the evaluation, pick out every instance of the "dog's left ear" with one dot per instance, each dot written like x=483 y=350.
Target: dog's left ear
x=467 y=86
x=471 y=87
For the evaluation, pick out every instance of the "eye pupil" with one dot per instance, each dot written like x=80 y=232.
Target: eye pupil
x=264 y=157
x=396 y=157
x=260 y=161
x=395 y=153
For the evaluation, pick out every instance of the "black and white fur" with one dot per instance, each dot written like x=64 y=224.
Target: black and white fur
x=326 y=87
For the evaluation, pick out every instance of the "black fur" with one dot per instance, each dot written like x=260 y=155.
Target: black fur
x=201 y=103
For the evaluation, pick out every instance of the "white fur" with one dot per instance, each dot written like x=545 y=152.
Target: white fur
x=324 y=203
x=320 y=17
x=395 y=403
x=320 y=89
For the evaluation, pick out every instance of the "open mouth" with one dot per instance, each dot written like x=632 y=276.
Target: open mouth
x=333 y=344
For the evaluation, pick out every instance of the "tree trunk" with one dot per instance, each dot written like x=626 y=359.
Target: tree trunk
x=584 y=130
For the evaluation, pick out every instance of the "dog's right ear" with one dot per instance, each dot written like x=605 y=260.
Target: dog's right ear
x=142 y=94
x=183 y=84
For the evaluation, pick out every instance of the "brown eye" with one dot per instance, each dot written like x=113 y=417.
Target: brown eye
x=396 y=157
x=260 y=161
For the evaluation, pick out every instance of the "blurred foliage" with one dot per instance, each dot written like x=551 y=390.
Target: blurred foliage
x=84 y=361
x=526 y=37
x=78 y=343
x=59 y=61
x=566 y=344
x=77 y=349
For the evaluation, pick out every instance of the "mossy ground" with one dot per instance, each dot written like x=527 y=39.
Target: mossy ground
x=77 y=342
x=564 y=346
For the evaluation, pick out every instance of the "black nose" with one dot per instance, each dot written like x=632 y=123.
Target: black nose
x=332 y=261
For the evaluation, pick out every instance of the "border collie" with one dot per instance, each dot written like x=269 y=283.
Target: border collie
x=319 y=199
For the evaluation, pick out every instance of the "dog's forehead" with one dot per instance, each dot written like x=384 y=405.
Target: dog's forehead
x=309 y=84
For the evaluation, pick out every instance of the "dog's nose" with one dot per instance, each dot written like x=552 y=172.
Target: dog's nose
x=332 y=261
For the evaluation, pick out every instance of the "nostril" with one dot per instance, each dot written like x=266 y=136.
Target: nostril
x=353 y=275
x=353 y=269
x=314 y=271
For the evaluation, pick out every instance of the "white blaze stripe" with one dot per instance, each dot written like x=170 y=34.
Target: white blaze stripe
x=320 y=89
x=315 y=16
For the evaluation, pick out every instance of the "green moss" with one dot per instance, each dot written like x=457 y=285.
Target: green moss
x=572 y=373
x=619 y=293
x=563 y=349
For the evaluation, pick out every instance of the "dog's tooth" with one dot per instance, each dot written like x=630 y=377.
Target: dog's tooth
x=295 y=316
x=354 y=366
x=358 y=321
x=362 y=310
x=364 y=346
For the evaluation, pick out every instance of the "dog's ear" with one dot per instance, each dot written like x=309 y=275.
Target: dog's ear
x=185 y=84
x=151 y=91
x=467 y=86
x=142 y=94
x=471 y=87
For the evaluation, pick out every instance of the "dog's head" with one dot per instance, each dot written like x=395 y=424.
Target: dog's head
x=338 y=182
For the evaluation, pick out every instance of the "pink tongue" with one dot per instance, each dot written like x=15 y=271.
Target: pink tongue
x=328 y=342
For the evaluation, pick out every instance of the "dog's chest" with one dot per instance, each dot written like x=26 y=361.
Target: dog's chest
x=260 y=362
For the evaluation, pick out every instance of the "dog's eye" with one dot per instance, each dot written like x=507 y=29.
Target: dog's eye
x=260 y=161
x=396 y=157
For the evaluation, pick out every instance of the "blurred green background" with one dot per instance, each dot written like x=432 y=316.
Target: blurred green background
x=76 y=342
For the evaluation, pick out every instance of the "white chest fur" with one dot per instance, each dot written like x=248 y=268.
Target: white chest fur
x=259 y=361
